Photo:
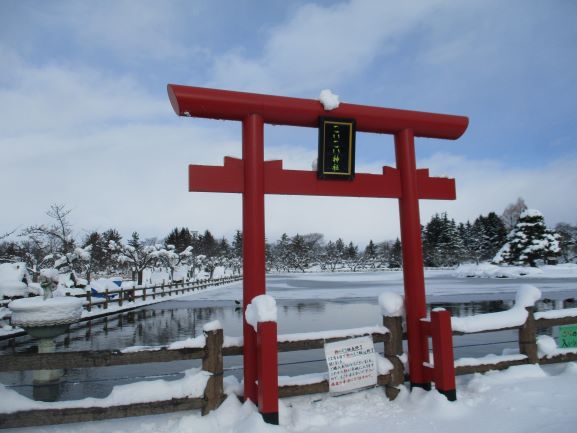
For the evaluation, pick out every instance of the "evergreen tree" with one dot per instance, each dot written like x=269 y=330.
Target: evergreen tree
x=567 y=241
x=351 y=252
x=299 y=256
x=207 y=244
x=371 y=254
x=237 y=244
x=180 y=238
x=495 y=235
x=529 y=241
x=395 y=255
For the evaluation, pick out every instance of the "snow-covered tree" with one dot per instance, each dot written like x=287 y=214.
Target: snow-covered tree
x=299 y=254
x=442 y=244
x=137 y=255
x=57 y=239
x=529 y=241
x=172 y=258
x=567 y=241
x=395 y=255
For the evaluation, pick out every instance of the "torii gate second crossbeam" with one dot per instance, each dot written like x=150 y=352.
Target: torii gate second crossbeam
x=253 y=177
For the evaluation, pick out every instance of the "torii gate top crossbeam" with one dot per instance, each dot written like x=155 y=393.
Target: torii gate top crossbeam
x=281 y=110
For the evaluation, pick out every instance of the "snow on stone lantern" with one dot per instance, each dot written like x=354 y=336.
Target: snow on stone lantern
x=45 y=319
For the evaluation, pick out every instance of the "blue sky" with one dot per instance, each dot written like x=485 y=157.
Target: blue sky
x=85 y=121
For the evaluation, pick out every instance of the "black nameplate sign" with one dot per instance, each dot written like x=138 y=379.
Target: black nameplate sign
x=336 y=148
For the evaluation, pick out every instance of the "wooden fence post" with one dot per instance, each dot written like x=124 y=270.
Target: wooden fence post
x=162 y=287
x=120 y=296
x=106 y=299
x=212 y=362
x=528 y=337
x=89 y=299
x=393 y=349
x=153 y=292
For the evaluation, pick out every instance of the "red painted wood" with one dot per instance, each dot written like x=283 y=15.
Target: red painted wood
x=207 y=178
x=253 y=240
x=267 y=367
x=254 y=178
x=442 y=334
x=413 y=273
x=229 y=178
x=280 y=110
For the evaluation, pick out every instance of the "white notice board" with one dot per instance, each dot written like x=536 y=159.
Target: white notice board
x=352 y=364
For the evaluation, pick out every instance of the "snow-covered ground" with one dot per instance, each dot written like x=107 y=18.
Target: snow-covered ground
x=523 y=399
x=343 y=285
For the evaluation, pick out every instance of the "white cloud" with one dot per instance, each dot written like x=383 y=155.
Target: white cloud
x=486 y=185
x=59 y=98
x=147 y=30
x=320 y=46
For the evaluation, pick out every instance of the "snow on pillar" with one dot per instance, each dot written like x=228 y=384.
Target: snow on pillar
x=261 y=315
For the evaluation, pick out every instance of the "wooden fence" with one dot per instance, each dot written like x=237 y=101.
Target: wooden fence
x=121 y=296
x=212 y=361
x=527 y=340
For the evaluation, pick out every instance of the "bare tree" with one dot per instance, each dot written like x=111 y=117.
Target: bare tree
x=5 y=235
x=57 y=239
x=511 y=214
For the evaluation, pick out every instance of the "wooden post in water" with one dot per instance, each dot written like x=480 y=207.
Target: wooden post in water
x=212 y=363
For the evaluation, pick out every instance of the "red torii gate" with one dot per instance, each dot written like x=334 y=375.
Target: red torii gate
x=253 y=177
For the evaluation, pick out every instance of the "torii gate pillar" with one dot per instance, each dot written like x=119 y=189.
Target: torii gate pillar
x=253 y=233
x=413 y=272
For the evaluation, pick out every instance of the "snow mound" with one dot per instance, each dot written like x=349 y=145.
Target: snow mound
x=329 y=100
x=392 y=304
x=103 y=284
x=527 y=295
x=546 y=345
x=13 y=281
x=31 y=312
x=261 y=309
x=212 y=326
x=530 y=213
x=516 y=316
x=488 y=270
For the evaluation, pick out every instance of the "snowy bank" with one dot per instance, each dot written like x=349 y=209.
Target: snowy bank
x=191 y=385
x=523 y=399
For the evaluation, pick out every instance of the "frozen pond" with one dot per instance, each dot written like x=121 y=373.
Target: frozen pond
x=307 y=302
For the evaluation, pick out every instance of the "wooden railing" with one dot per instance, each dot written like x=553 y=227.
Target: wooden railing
x=527 y=342
x=211 y=355
x=121 y=296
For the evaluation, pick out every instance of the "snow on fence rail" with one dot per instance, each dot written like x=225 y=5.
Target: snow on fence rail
x=122 y=295
x=522 y=317
x=210 y=348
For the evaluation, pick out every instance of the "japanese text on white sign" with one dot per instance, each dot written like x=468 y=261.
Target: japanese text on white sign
x=352 y=364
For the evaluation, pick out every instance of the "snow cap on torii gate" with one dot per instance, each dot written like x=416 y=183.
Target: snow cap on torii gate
x=253 y=177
